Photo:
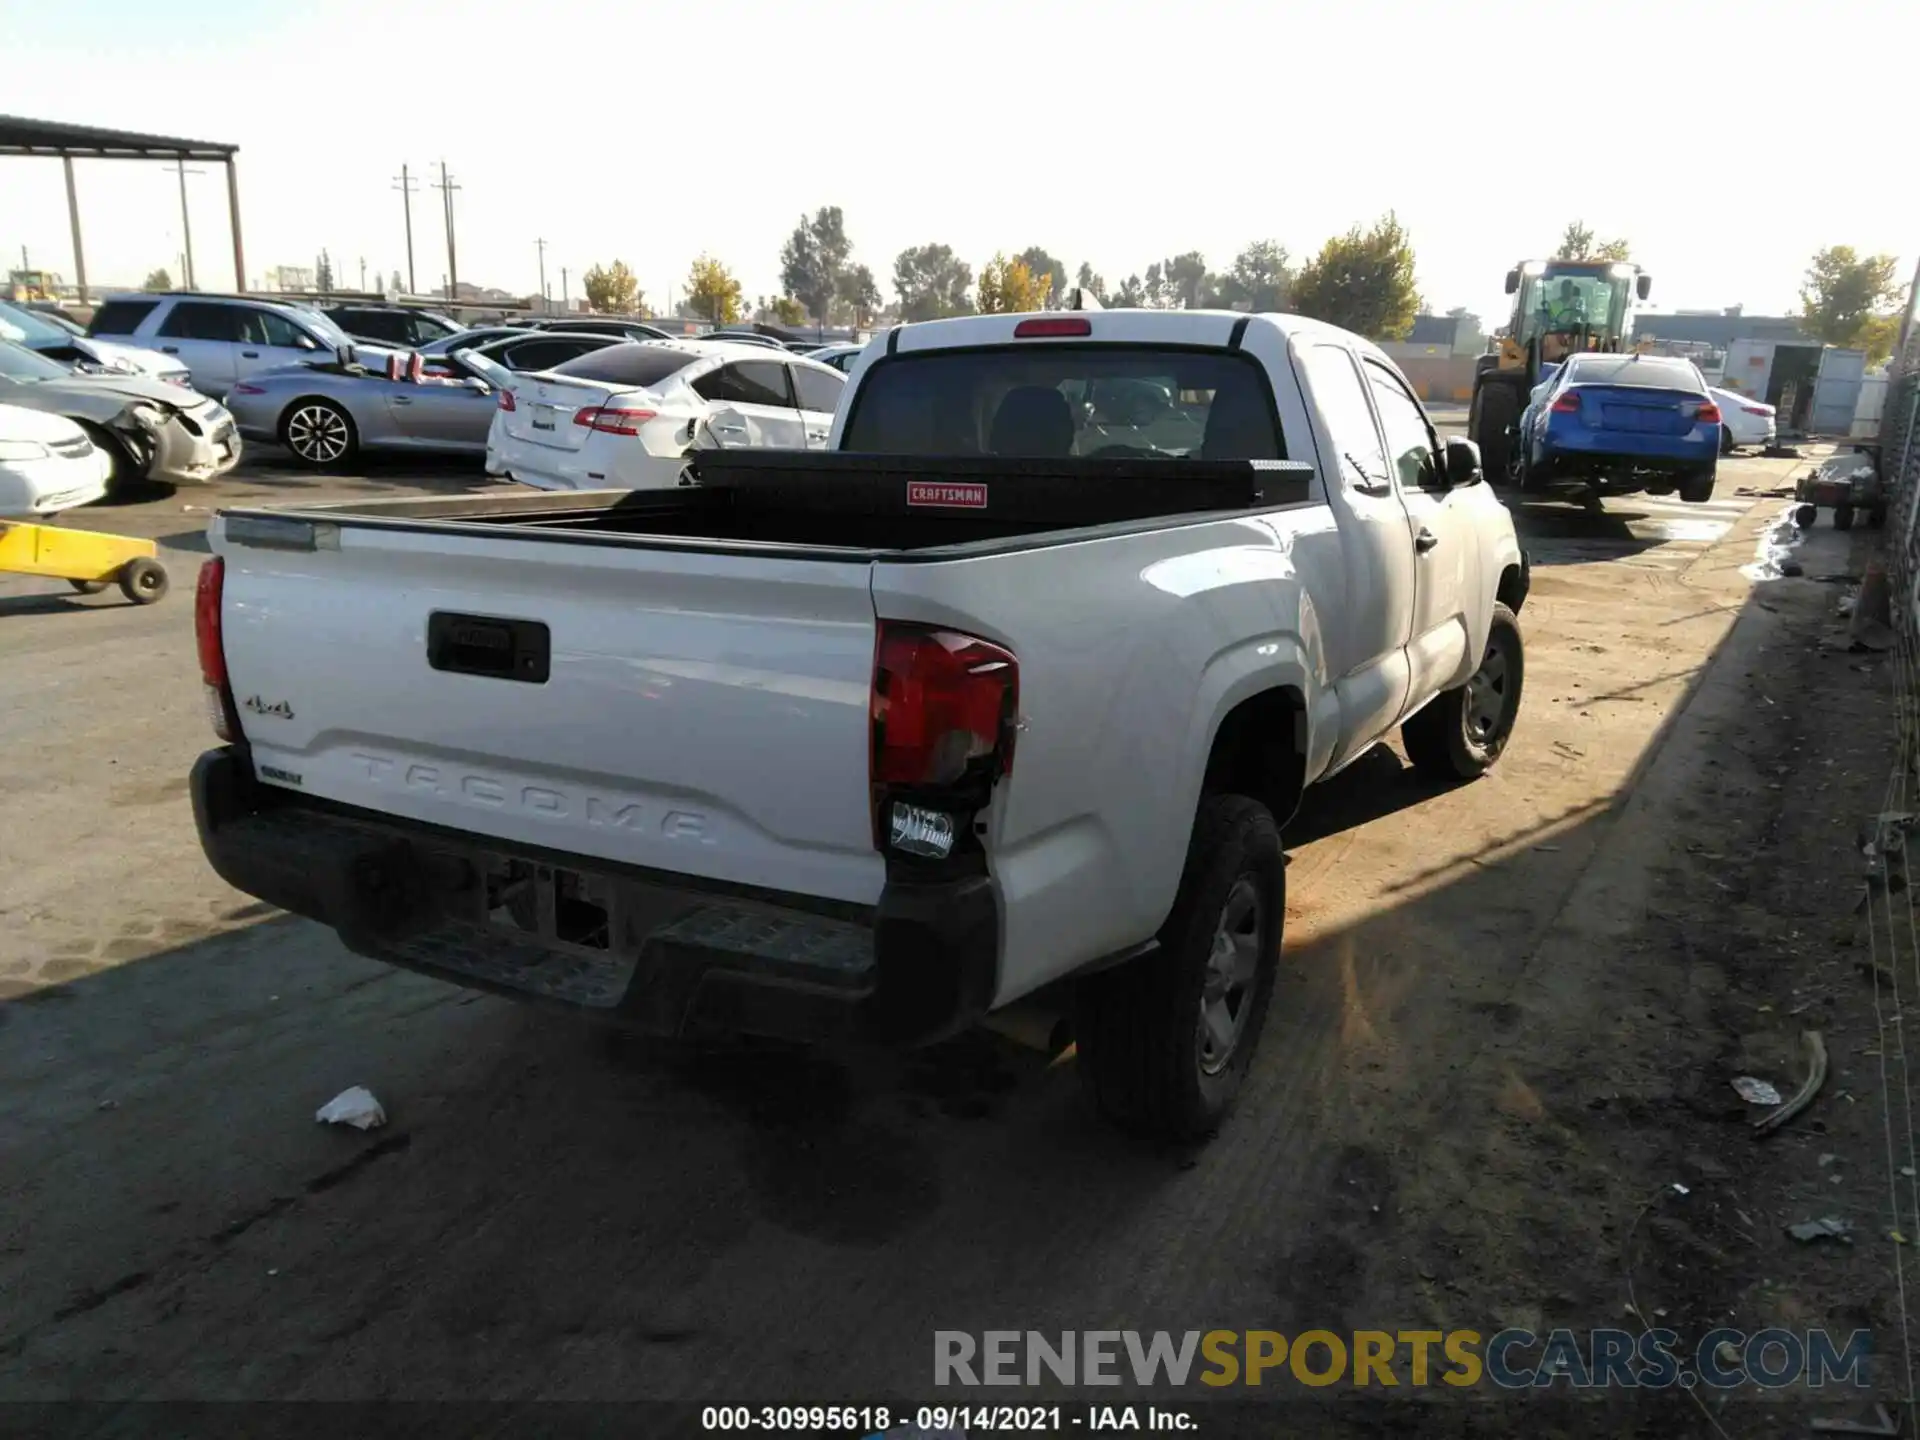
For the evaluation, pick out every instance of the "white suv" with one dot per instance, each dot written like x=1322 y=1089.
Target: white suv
x=222 y=338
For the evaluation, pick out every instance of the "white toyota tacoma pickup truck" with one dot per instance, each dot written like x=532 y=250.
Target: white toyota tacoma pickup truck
x=1013 y=687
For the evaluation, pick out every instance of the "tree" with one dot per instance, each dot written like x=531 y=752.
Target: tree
x=857 y=290
x=788 y=311
x=813 y=258
x=1258 y=280
x=1362 y=281
x=1091 y=282
x=1043 y=266
x=1844 y=291
x=611 y=289
x=323 y=274
x=1189 y=285
x=1131 y=295
x=931 y=281
x=158 y=280
x=1154 y=291
x=712 y=292
x=1008 y=287
x=1577 y=243
x=1879 y=336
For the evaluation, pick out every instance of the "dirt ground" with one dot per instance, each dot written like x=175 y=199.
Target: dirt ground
x=1507 y=1028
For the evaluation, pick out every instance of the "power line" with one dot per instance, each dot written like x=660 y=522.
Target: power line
x=406 y=185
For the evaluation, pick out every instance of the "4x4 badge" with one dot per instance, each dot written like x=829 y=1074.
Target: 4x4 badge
x=280 y=709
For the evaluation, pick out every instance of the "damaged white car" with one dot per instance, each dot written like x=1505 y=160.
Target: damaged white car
x=47 y=464
x=149 y=429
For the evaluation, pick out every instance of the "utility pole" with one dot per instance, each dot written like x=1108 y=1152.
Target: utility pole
x=566 y=301
x=541 y=246
x=186 y=225
x=446 y=187
x=363 y=272
x=406 y=186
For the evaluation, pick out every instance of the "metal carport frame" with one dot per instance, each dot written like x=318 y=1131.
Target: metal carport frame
x=89 y=142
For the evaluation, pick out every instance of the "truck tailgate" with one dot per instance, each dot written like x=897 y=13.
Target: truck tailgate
x=697 y=713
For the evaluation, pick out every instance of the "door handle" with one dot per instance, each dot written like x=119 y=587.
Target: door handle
x=728 y=429
x=401 y=400
x=249 y=354
x=169 y=349
x=1425 y=541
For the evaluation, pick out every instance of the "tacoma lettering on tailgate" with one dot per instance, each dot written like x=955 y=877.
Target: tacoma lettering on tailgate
x=599 y=811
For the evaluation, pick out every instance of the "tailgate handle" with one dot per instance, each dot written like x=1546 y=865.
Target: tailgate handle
x=489 y=646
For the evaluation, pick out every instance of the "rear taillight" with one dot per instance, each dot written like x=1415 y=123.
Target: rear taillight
x=506 y=400
x=213 y=655
x=942 y=713
x=1707 y=414
x=1567 y=404
x=610 y=420
x=1765 y=411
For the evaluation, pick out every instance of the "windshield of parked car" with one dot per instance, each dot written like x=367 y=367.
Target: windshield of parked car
x=1657 y=372
x=19 y=363
x=25 y=327
x=325 y=330
x=1056 y=401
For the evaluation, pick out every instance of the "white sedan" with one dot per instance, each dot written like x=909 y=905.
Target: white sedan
x=47 y=464
x=623 y=418
x=1743 y=420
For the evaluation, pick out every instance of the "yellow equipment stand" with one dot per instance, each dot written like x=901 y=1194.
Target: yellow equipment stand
x=85 y=559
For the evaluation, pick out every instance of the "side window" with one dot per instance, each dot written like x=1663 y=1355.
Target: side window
x=817 y=389
x=763 y=382
x=1410 y=444
x=120 y=317
x=1342 y=403
x=721 y=386
x=540 y=354
x=192 y=320
x=274 y=329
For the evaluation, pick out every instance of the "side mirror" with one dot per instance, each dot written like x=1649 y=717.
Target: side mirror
x=1643 y=286
x=1513 y=281
x=1462 y=463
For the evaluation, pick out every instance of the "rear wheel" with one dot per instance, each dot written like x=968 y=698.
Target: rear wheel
x=1843 y=517
x=143 y=580
x=1490 y=425
x=1165 y=1040
x=1696 y=486
x=320 y=433
x=1726 y=441
x=1461 y=732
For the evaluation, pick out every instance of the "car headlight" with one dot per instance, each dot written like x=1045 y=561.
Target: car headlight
x=23 y=450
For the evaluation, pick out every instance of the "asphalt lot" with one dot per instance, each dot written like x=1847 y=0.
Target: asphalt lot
x=555 y=1212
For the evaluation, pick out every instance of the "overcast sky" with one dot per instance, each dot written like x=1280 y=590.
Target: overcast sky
x=1726 y=141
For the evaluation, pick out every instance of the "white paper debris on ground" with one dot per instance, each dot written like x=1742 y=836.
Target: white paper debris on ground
x=1751 y=1090
x=355 y=1107
x=1776 y=545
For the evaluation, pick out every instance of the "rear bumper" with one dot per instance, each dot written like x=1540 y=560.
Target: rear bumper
x=646 y=950
x=1650 y=451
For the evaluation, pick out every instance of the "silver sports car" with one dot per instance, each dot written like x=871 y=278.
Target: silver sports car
x=150 y=429
x=325 y=413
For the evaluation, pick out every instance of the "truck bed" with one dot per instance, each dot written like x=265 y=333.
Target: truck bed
x=834 y=502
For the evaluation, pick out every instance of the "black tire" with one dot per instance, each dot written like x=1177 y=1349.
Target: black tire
x=1490 y=420
x=143 y=580
x=320 y=434
x=88 y=587
x=124 y=479
x=1447 y=739
x=1696 y=487
x=1726 y=441
x=1843 y=517
x=1138 y=1026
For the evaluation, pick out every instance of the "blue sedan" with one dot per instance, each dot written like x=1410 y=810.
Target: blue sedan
x=1615 y=424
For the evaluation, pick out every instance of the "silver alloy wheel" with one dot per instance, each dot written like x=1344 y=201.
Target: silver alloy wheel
x=1486 y=703
x=318 y=433
x=1226 y=993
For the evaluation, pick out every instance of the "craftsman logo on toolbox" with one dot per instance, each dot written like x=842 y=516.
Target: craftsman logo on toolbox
x=958 y=497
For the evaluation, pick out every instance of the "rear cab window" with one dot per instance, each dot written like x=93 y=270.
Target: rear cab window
x=1060 y=401
x=120 y=317
x=1653 y=372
